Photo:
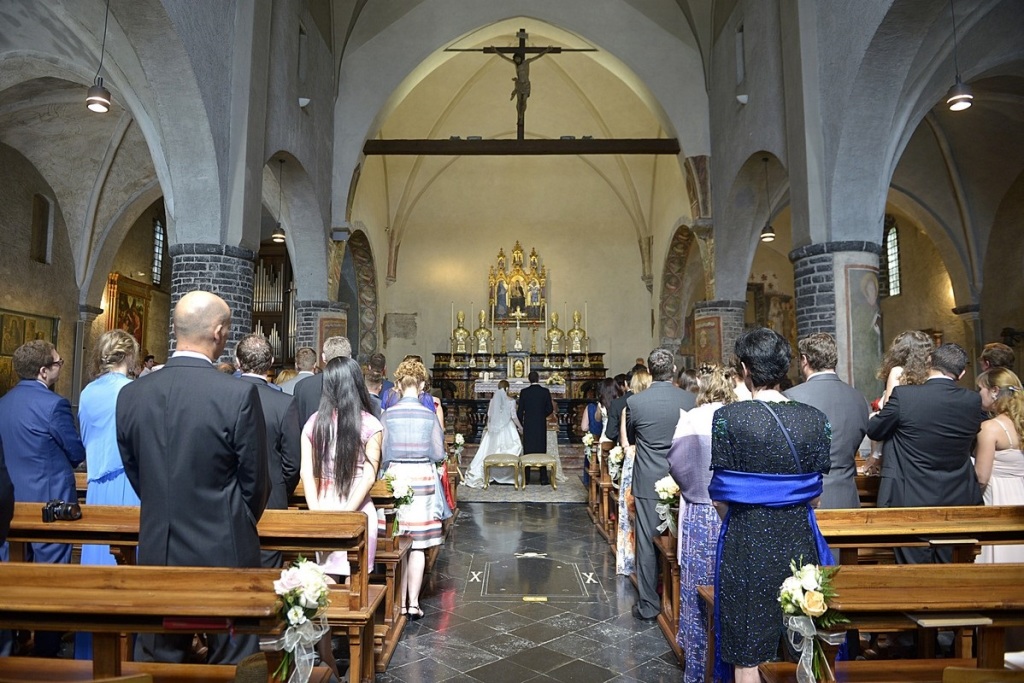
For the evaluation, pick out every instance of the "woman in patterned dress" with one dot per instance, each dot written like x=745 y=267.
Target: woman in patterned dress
x=413 y=445
x=625 y=540
x=689 y=461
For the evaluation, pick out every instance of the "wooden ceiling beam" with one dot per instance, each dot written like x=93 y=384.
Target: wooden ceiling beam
x=532 y=147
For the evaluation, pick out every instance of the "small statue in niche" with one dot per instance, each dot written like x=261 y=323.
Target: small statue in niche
x=483 y=336
x=460 y=335
x=576 y=335
x=554 y=336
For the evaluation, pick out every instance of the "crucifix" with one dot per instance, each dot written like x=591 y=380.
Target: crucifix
x=521 y=91
x=518 y=315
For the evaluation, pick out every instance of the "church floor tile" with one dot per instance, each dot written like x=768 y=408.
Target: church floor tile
x=528 y=592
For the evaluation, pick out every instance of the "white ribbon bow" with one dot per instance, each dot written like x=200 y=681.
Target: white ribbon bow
x=300 y=641
x=664 y=511
x=801 y=633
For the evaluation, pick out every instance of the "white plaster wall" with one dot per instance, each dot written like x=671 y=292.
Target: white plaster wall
x=29 y=286
x=575 y=226
x=926 y=299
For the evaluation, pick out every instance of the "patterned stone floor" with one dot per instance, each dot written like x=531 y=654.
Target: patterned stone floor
x=478 y=627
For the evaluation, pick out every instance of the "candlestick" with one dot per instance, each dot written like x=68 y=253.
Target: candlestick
x=585 y=314
x=453 y=315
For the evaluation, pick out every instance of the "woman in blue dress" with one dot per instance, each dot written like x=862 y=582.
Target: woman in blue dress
x=117 y=358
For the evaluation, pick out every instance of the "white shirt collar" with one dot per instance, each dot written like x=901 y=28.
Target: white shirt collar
x=191 y=354
x=821 y=372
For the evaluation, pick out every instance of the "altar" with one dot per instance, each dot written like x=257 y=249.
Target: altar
x=516 y=335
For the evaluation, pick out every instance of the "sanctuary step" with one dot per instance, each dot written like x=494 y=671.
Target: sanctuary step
x=571 y=457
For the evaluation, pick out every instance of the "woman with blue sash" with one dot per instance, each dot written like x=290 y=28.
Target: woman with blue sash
x=768 y=456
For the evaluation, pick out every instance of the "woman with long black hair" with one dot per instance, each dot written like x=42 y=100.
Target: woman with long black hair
x=341 y=445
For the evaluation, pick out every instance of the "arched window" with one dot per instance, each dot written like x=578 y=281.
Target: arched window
x=41 y=247
x=159 y=242
x=889 y=266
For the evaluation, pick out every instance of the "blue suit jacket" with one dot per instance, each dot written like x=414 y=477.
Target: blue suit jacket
x=40 y=442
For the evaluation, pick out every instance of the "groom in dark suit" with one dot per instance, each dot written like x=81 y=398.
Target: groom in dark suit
x=846 y=410
x=928 y=430
x=193 y=443
x=534 y=407
x=651 y=418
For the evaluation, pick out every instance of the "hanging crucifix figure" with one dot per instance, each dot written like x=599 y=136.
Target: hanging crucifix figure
x=521 y=91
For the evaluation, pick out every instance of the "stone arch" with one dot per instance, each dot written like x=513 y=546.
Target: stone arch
x=672 y=308
x=366 y=291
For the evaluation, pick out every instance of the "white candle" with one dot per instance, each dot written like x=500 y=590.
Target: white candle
x=453 y=315
x=585 y=315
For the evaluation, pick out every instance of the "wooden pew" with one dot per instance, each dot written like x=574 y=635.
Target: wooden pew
x=112 y=600
x=965 y=528
x=874 y=528
x=290 y=531
x=600 y=452
x=25 y=669
x=883 y=597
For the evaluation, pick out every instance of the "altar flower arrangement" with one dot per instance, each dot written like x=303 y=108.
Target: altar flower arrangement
x=304 y=597
x=555 y=378
x=615 y=458
x=805 y=598
x=401 y=491
x=668 y=493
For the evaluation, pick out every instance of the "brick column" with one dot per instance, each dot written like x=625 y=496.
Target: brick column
x=719 y=323
x=307 y=321
x=836 y=286
x=221 y=269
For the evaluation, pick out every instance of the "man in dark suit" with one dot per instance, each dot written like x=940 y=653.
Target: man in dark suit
x=928 y=430
x=193 y=443
x=308 y=391
x=305 y=364
x=651 y=418
x=846 y=410
x=614 y=426
x=534 y=407
x=254 y=359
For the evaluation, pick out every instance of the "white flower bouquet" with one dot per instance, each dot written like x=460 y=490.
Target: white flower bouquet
x=805 y=598
x=304 y=592
x=460 y=443
x=668 y=493
x=401 y=491
x=615 y=458
x=588 y=440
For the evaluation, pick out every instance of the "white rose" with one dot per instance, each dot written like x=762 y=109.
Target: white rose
x=296 y=615
x=808 y=576
x=792 y=586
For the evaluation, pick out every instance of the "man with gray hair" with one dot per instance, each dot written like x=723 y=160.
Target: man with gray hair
x=305 y=363
x=308 y=391
x=651 y=418
x=846 y=410
x=254 y=358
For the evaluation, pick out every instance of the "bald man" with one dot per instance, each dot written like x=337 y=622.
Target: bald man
x=194 y=448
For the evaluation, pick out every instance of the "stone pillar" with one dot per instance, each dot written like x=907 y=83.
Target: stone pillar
x=970 y=314
x=221 y=269
x=716 y=326
x=836 y=286
x=308 y=315
x=86 y=315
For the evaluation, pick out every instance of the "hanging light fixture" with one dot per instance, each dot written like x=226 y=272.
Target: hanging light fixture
x=278 y=235
x=767 y=232
x=959 y=96
x=98 y=97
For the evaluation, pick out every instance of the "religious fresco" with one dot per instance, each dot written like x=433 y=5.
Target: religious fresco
x=17 y=328
x=517 y=294
x=864 y=331
x=708 y=348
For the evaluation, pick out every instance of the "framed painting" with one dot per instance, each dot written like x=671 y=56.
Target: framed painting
x=128 y=301
x=708 y=348
x=332 y=326
x=16 y=328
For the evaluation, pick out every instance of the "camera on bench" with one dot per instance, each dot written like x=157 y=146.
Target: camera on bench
x=60 y=510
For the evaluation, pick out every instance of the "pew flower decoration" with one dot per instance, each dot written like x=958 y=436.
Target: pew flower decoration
x=588 y=442
x=401 y=491
x=668 y=494
x=810 y=622
x=460 y=443
x=615 y=458
x=304 y=597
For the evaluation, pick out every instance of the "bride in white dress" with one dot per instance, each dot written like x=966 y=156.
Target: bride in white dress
x=501 y=436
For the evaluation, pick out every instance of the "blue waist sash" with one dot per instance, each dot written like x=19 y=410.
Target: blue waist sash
x=767 y=490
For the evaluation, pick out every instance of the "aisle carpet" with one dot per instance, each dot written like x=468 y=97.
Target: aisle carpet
x=569 y=491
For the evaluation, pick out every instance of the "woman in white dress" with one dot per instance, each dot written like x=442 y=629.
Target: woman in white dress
x=501 y=436
x=998 y=459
